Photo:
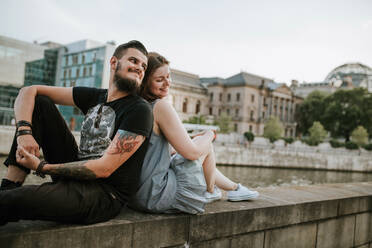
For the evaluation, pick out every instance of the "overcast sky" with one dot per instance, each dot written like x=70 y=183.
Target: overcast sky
x=278 y=39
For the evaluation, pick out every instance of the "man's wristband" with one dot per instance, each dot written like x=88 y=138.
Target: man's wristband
x=23 y=132
x=39 y=169
x=23 y=123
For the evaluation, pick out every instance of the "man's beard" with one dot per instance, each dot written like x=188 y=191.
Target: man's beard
x=125 y=84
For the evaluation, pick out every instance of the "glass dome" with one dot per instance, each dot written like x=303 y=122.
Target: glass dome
x=360 y=74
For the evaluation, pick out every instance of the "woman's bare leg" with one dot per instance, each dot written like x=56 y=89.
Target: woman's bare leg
x=223 y=182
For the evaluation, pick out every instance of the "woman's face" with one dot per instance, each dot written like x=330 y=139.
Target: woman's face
x=160 y=81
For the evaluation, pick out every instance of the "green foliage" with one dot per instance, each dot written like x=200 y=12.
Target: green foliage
x=273 y=129
x=196 y=120
x=288 y=140
x=351 y=145
x=249 y=136
x=336 y=144
x=368 y=147
x=346 y=110
x=312 y=109
x=317 y=133
x=359 y=136
x=340 y=113
x=309 y=142
x=224 y=122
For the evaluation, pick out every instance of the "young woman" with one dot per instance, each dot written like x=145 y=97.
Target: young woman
x=178 y=183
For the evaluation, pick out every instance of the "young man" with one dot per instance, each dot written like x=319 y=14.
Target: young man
x=90 y=183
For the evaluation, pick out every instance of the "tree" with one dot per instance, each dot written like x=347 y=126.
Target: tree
x=196 y=120
x=317 y=133
x=273 y=129
x=310 y=110
x=359 y=136
x=347 y=109
x=224 y=122
x=249 y=136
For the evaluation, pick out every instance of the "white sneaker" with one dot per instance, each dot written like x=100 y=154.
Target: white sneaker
x=216 y=195
x=241 y=194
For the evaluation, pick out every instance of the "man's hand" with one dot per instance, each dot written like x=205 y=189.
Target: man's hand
x=26 y=159
x=29 y=143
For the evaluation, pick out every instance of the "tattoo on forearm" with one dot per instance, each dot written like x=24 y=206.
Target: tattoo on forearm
x=76 y=170
x=123 y=142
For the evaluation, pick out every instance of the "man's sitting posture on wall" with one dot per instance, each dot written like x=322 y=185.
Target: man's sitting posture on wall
x=90 y=183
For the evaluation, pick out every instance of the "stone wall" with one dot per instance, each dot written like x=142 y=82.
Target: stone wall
x=333 y=215
x=231 y=149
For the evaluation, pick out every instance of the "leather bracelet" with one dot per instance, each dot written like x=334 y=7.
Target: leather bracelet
x=23 y=132
x=40 y=168
x=23 y=123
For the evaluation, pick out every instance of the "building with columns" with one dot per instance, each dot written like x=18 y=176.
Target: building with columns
x=250 y=100
x=188 y=96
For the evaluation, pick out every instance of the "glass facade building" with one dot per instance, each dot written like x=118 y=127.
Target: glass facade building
x=83 y=68
x=42 y=71
x=7 y=97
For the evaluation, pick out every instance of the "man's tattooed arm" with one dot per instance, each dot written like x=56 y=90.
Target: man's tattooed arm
x=124 y=142
x=76 y=170
x=121 y=148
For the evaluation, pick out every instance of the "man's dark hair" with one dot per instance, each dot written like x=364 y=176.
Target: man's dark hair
x=120 y=50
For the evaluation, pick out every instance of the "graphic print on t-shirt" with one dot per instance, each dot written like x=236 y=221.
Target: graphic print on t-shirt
x=96 y=131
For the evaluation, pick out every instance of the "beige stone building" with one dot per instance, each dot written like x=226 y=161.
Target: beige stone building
x=188 y=96
x=249 y=100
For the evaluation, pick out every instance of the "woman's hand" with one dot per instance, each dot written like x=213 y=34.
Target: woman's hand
x=26 y=159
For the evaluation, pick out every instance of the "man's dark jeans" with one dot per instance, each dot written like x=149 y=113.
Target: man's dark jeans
x=63 y=200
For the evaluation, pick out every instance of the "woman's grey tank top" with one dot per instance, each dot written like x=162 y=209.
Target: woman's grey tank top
x=158 y=185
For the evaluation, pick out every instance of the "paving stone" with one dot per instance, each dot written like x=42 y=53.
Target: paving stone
x=220 y=243
x=336 y=233
x=299 y=236
x=363 y=228
x=255 y=239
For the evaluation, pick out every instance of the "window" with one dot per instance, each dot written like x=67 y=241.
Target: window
x=228 y=111
x=220 y=97
x=184 y=105
x=64 y=74
x=197 y=107
x=66 y=60
x=64 y=84
x=211 y=96
x=84 y=71
x=72 y=83
x=235 y=127
x=250 y=128
x=83 y=59
x=94 y=57
x=252 y=115
x=90 y=71
x=263 y=115
x=228 y=97
x=69 y=73
x=210 y=111
x=74 y=59
x=236 y=112
x=219 y=112
x=77 y=72
x=237 y=97
x=252 y=98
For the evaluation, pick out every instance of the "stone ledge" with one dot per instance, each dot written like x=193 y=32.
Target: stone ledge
x=278 y=213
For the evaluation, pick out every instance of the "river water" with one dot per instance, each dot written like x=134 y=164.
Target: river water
x=256 y=177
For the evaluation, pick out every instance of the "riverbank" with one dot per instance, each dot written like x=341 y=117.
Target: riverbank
x=263 y=154
x=333 y=215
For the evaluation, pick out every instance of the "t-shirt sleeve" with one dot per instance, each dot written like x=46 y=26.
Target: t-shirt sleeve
x=139 y=120
x=85 y=97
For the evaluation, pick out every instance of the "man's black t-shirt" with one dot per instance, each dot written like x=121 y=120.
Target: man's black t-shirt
x=102 y=121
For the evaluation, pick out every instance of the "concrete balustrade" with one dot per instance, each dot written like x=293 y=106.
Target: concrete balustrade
x=333 y=215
